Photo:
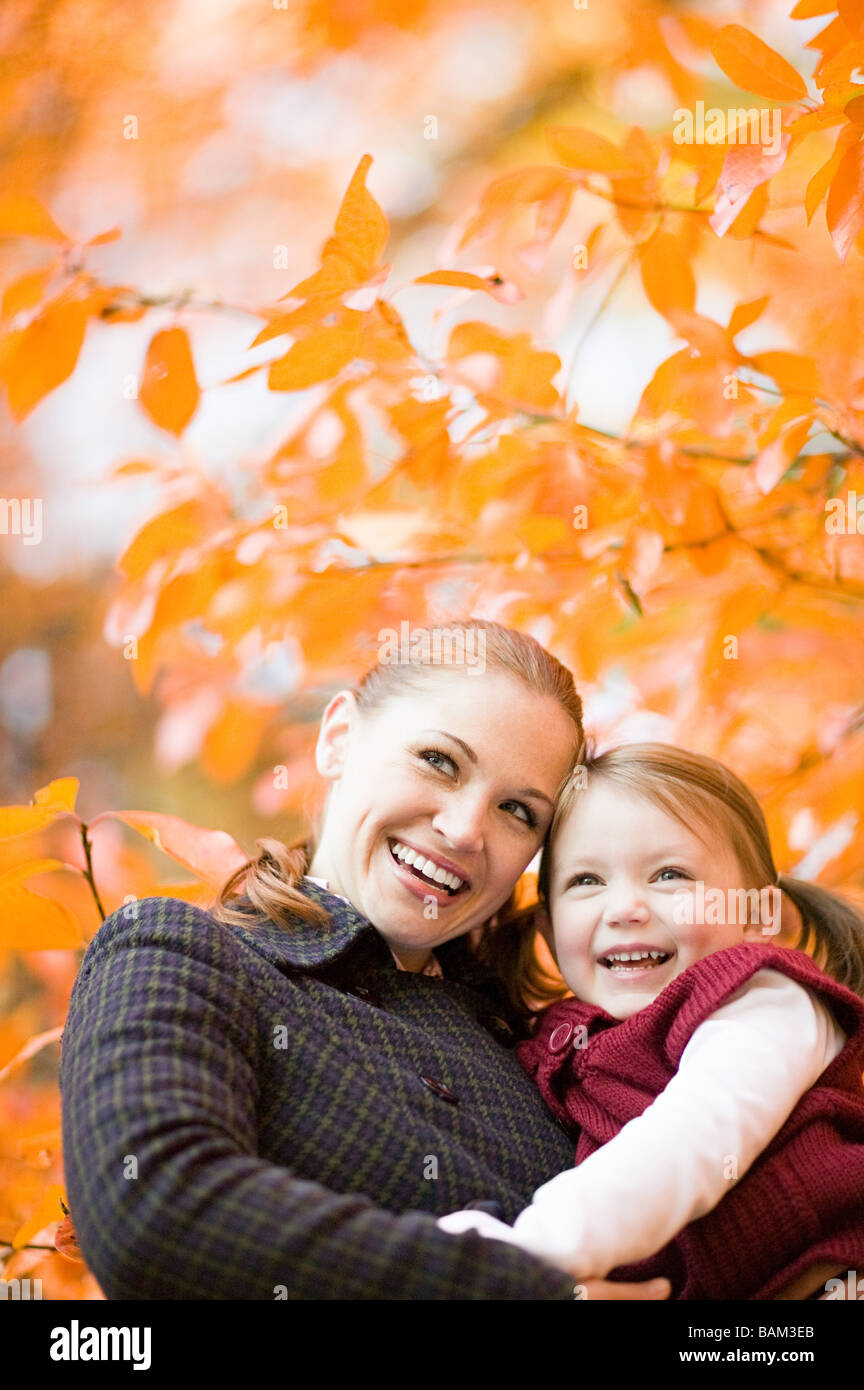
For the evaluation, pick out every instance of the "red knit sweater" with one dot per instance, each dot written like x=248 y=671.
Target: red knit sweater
x=801 y=1202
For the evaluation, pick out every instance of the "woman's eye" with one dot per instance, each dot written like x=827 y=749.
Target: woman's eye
x=522 y=812
x=436 y=758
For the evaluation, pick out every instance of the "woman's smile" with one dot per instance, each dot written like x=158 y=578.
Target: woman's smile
x=421 y=869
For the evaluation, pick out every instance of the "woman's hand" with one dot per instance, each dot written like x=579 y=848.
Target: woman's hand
x=599 y=1289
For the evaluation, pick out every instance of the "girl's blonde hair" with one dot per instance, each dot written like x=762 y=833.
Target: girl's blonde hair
x=269 y=879
x=699 y=791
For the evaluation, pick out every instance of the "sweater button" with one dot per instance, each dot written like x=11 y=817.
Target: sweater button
x=439 y=1089
x=560 y=1037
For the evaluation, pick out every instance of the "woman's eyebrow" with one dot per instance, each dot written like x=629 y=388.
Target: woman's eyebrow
x=466 y=748
x=469 y=753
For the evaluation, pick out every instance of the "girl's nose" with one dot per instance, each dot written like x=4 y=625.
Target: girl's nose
x=462 y=822
x=626 y=906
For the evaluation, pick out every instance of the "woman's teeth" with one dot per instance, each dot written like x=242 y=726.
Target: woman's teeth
x=622 y=961
x=426 y=868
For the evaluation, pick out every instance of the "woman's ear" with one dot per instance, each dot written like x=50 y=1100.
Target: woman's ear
x=332 y=746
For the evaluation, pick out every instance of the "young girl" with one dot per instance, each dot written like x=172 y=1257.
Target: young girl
x=713 y=1077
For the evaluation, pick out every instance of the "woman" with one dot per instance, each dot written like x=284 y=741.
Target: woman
x=278 y=1098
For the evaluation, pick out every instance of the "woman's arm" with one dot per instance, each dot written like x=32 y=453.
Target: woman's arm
x=160 y=1091
x=739 y=1078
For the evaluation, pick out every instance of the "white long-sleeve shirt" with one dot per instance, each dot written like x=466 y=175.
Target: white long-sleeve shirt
x=739 y=1078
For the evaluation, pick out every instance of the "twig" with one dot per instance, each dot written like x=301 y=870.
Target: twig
x=88 y=872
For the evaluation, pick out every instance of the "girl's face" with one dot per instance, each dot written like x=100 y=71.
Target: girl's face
x=620 y=869
x=440 y=798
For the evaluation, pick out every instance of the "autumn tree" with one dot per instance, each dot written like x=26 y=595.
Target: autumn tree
x=701 y=571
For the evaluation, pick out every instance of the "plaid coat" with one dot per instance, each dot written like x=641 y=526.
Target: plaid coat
x=263 y=1113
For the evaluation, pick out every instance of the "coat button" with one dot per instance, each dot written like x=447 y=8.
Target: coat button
x=439 y=1089
x=489 y=1205
x=560 y=1037
x=366 y=993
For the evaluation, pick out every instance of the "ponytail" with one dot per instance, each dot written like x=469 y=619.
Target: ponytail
x=831 y=931
x=272 y=876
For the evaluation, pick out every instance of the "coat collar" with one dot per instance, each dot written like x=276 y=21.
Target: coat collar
x=315 y=946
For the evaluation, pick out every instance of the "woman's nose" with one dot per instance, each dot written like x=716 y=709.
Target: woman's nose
x=462 y=822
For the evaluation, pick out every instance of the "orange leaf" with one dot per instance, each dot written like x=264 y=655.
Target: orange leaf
x=66 y=1242
x=317 y=357
x=755 y=67
x=751 y=214
x=24 y=292
x=59 y=794
x=666 y=273
x=352 y=254
x=164 y=534
x=494 y=285
x=211 y=854
x=169 y=390
x=48 y=1212
x=809 y=9
x=21 y=872
x=361 y=227
x=586 y=149
x=30 y=1048
x=852 y=16
x=746 y=169
x=306 y=316
x=29 y=922
x=112 y=234
x=791 y=370
x=474 y=336
x=789 y=412
x=48 y=803
x=23 y=215
x=744 y=314
x=774 y=460
x=844 y=212
x=43 y=354
x=821 y=181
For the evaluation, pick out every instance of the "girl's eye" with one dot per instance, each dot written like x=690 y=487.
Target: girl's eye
x=581 y=880
x=675 y=873
x=527 y=814
x=436 y=758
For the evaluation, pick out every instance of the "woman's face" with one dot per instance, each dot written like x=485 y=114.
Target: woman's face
x=440 y=798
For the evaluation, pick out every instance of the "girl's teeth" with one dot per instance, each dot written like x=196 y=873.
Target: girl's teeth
x=625 y=960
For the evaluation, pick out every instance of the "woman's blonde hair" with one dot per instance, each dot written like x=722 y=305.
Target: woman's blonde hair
x=269 y=879
x=700 y=792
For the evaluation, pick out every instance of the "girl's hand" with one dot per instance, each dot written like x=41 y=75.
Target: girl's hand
x=457 y=1222
x=597 y=1290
